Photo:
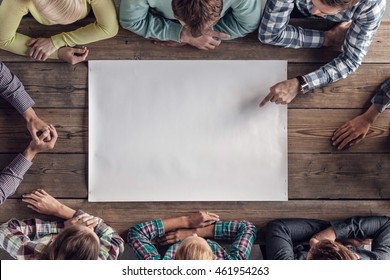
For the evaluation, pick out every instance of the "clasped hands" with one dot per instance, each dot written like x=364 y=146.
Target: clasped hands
x=194 y=221
x=42 y=48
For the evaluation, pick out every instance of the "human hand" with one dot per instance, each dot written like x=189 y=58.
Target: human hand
x=358 y=242
x=42 y=202
x=282 y=93
x=201 y=219
x=35 y=125
x=73 y=55
x=206 y=41
x=336 y=35
x=175 y=236
x=41 y=145
x=84 y=220
x=41 y=48
x=352 y=132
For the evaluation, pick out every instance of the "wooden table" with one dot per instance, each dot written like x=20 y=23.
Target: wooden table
x=323 y=183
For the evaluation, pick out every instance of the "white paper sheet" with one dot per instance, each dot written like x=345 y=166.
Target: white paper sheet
x=186 y=131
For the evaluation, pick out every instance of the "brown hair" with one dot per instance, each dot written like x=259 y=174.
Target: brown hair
x=73 y=243
x=197 y=14
x=344 y=4
x=330 y=250
x=194 y=251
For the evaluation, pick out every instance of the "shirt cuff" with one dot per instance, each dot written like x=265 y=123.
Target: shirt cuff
x=20 y=164
x=175 y=32
x=23 y=102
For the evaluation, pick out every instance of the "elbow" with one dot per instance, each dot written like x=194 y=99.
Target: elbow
x=112 y=30
x=266 y=37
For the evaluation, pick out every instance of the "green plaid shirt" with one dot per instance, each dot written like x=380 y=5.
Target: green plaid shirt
x=242 y=233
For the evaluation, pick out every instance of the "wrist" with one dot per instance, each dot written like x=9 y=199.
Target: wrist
x=29 y=153
x=371 y=114
x=184 y=38
x=64 y=211
x=29 y=115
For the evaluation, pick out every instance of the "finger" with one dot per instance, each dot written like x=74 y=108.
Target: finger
x=32 y=207
x=44 y=134
x=215 y=43
x=357 y=140
x=34 y=134
x=42 y=192
x=53 y=133
x=339 y=131
x=266 y=99
x=213 y=215
x=32 y=42
x=341 y=136
x=220 y=35
x=346 y=141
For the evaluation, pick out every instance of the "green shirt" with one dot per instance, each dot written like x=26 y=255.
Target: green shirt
x=238 y=18
x=12 y=12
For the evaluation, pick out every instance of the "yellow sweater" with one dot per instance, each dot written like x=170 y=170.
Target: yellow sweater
x=12 y=12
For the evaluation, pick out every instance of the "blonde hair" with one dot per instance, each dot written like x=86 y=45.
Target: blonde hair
x=194 y=251
x=60 y=11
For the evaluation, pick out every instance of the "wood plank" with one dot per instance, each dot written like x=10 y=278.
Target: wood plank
x=59 y=85
x=62 y=175
x=71 y=125
x=307 y=131
x=310 y=131
x=355 y=91
x=339 y=176
x=346 y=176
x=127 y=45
x=53 y=84
x=123 y=215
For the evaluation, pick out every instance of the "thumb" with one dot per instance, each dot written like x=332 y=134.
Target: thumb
x=31 y=43
x=220 y=35
x=44 y=134
x=79 y=50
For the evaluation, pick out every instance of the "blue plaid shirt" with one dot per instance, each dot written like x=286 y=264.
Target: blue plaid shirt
x=381 y=99
x=366 y=17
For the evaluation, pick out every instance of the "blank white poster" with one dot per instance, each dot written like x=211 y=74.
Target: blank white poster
x=186 y=131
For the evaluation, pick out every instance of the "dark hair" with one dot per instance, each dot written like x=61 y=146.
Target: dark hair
x=340 y=3
x=197 y=14
x=330 y=250
x=73 y=243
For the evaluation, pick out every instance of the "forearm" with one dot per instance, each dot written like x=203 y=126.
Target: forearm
x=12 y=176
x=381 y=99
x=274 y=28
x=135 y=16
x=206 y=232
x=243 y=19
x=12 y=90
x=105 y=26
x=171 y=224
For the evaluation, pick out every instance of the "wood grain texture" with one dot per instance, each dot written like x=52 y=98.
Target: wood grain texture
x=61 y=175
x=124 y=215
x=59 y=85
x=310 y=131
x=71 y=125
x=339 y=176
